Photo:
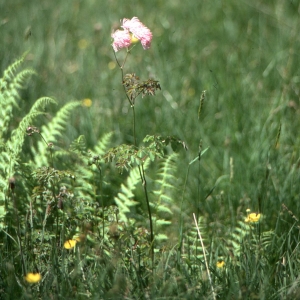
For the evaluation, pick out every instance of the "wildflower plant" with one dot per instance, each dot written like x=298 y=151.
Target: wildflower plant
x=133 y=30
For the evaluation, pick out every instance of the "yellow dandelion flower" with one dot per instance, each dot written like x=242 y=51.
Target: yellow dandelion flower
x=70 y=244
x=33 y=277
x=87 y=102
x=220 y=264
x=253 y=218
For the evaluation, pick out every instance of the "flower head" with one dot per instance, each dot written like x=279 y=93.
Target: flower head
x=33 y=277
x=139 y=30
x=220 y=264
x=133 y=30
x=253 y=218
x=87 y=102
x=122 y=39
x=70 y=244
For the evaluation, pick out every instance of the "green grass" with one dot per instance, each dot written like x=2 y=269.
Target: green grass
x=246 y=57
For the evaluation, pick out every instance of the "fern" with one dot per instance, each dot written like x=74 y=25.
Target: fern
x=51 y=132
x=163 y=200
x=86 y=170
x=103 y=143
x=10 y=83
x=87 y=189
x=245 y=239
x=192 y=252
x=11 y=145
x=87 y=165
x=125 y=198
x=17 y=138
x=79 y=145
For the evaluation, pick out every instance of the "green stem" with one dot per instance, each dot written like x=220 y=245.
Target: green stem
x=141 y=168
x=144 y=183
x=181 y=217
x=18 y=231
x=101 y=199
x=134 y=133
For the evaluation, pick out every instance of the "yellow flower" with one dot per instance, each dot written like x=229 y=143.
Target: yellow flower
x=253 y=218
x=87 y=102
x=33 y=277
x=220 y=264
x=70 y=244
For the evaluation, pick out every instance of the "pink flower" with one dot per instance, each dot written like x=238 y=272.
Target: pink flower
x=121 y=38
x=139 y=30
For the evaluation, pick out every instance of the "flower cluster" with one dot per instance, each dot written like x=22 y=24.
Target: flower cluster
x=133 y=30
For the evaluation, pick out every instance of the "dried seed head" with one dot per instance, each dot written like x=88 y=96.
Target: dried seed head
x=12 y=183
x=60 y=204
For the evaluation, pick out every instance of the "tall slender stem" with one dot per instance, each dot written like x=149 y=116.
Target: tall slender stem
x=18 y=231
x=205 y=260
x=144 y=182
x=134 y=133
x=141 y=168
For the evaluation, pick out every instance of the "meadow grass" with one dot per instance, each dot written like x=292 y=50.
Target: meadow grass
x=243 y=152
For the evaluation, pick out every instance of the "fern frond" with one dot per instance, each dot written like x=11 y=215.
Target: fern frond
x=10 y=83
x=79 y=145
x=125 y=198
x=8 y=74
x=20 y=79
x=165 y=188
x=41 y=103
x=103 y=143
x=59 y=122
x=191 y=246
x=51 y=131
x=18 y=135
x=87 y=172
x=11 y=144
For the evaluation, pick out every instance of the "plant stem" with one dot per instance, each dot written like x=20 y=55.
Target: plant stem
x=101 y=198
x=144 y=182
x=134 y=134
x=141 y=168
x=205 y=260
x=18 y=231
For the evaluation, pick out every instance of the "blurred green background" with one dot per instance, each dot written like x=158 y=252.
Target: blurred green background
x=245 y=55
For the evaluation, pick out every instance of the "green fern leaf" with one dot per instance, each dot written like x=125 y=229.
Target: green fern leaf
x=88 y=189
x=103 y=143
x=10 y=83
x=11 y=144
x=79 y=145
x=125 y=198
x=51 y=131
x=41 y=103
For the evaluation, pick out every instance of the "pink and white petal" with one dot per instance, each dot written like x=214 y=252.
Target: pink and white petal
x=121 y=38
x=139 y=30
